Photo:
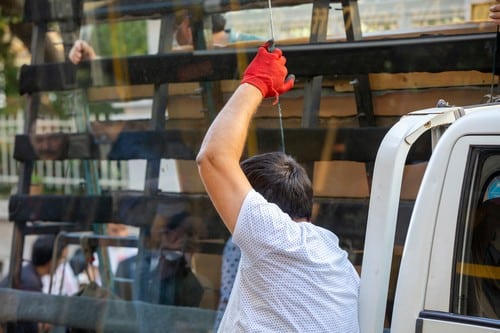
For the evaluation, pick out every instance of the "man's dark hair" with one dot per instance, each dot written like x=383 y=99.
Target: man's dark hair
x=41 y=251
x=218 y=22
x=280 y=179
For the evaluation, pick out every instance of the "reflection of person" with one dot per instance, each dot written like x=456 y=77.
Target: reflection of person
x=80 y=51
x=170 y=279
x=116 y=253
x=64 y=281
x=495 y=13
x=222 y=36
x=85 y=267
x=230 y=261
x=49 y=146
x=183 y=38
x=31 y=277
x=183 y=35
x=292 y=275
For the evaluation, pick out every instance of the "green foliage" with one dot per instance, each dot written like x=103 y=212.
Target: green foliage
x=103 y=110
x=5 y=37
x=120 y=38
x=62 y=105
x=9 y=84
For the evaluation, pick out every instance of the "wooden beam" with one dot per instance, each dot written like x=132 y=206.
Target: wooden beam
x=346 y=217
x=306 y=145
x=424 y=54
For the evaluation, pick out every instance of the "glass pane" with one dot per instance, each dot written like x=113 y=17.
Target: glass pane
x=477 y=289
x=100 y=133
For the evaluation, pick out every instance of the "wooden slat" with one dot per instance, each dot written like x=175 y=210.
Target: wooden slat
x=346 y=217
x=56 y=146
x=39 y=11
x=383 y=81
x=306 y=145
x=122 y=207
x=378 y=82
x=44 y=11
x=77 y=209
x=478 y=270
x=398 y=103
x=424 y=54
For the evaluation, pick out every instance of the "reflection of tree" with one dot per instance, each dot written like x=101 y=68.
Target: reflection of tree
x=12 y=12
x=8 y=72
x=120 y=38
x=12 y=27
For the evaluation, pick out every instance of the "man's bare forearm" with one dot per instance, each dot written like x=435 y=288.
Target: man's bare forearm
x=225 y=139
x=221 y=150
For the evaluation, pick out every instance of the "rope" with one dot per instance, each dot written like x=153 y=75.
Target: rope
x=493 y=66
x=280 y=114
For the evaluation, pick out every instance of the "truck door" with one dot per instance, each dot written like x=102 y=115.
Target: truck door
x=463 y=286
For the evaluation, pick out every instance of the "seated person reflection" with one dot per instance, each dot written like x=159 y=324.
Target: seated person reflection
x=117 y=253
x=169 y=279
x=32 y=272
x=62 y=280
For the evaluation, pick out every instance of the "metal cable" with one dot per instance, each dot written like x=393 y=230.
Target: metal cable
x=280 y=114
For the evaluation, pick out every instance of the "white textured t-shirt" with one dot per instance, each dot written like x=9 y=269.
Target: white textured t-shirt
x=293 y=277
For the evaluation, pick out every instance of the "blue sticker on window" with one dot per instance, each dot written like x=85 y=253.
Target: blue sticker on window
x=494 y=189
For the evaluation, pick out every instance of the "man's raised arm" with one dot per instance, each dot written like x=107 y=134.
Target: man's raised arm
x=221 y=150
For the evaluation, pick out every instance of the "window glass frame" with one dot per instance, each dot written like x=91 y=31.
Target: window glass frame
x=480 y=171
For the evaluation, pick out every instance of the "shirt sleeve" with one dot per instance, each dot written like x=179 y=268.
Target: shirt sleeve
x=262 y=227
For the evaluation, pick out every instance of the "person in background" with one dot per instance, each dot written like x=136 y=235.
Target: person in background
x=495 y=13
x=169 y=279
x=292 y=275
x=81 y=51
x=116 y=253
x=31 y=277
x=62 y=281
x=49 y=146
x=221 y=36
x=183 y=35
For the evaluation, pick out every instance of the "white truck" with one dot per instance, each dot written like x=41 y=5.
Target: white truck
x=449 y=274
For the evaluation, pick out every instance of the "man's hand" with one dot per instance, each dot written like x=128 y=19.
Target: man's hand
x=267 y=72
x=80 y=51
x=495 y=13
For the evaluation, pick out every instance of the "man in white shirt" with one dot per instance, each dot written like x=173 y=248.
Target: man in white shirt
x=292 y=277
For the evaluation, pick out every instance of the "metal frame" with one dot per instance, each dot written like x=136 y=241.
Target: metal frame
x=403 y=55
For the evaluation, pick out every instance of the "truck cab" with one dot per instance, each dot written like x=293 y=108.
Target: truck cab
x=449 y=277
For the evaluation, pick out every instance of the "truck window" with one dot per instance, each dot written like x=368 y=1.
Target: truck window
x=477 y=280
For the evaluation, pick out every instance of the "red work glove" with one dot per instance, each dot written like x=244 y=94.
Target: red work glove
x=267 y=72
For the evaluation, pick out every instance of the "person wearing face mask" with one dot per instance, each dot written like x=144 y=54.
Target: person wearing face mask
x=169 y=279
